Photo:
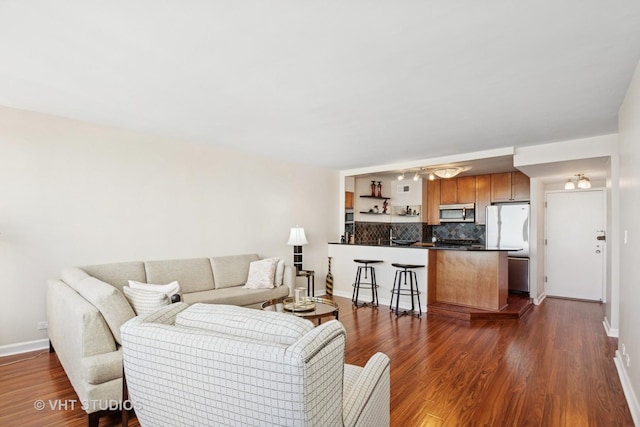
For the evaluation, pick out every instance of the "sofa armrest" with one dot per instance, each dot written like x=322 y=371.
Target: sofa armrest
x=367 y=403
x=165 y=315
x=100 y=368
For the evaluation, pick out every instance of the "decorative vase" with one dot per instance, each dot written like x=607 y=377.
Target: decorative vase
x=373 y=189
x=379 y=189
x=329 y=282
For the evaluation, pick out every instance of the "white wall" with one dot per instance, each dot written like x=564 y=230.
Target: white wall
x=74 y=194
x=629 y=163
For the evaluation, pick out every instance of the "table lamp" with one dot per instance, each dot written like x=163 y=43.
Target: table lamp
x=297 y=239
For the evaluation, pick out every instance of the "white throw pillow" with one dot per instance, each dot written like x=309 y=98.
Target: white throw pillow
x=169 y=289
x=279 y=273
x=144 y=301
x=262 y=274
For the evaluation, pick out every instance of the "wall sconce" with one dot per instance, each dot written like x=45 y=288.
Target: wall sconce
x=297 y=238
x=581 y=182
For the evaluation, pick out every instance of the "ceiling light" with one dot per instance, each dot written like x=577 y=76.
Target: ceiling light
x=431 y=176
x=569 y=185
x=401 y=176
x=448 y=172
x=581 y=182
x=416 y=176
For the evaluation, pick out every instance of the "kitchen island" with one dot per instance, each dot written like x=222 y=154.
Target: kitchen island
x=469 y=278
x=463 y=282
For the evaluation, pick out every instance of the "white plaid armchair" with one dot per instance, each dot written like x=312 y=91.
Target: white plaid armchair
x=219 y=365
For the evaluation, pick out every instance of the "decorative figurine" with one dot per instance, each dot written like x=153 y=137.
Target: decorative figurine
x=385 y=205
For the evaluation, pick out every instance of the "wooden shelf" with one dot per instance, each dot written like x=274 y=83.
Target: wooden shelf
x=375 y=197
x=373 y=213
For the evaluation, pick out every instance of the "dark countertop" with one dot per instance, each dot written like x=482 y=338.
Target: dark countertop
x=430 y=246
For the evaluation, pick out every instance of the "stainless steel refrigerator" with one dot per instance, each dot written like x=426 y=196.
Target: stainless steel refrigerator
x=508 y=228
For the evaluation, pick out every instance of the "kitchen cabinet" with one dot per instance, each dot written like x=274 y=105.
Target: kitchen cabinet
x=458 y=190
x=509 y=187
x=466 y=189
x=448 y=191
x=431 y=201
x=520 y=186
x=483 y=197
x=348 y=199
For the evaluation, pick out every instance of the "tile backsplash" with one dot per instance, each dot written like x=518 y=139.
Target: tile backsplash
x=457 y=230
x=378 y=233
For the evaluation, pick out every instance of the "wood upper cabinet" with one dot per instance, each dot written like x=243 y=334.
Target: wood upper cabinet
x=520 y=186
x=483 y=197
x=466 y=189
x=458 y=190
x=509 y=187
x=431 y=201
x=448 y=191
x=348 y=199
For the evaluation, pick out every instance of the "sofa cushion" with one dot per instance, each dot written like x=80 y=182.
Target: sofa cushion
x=109 y=301
x=169 y=289
x=232 y=270
x=144 y=301
x=236 y=295
x=262 y=274
x=117 y=274
x=193 y=274
x=267 y=326
x=279 y=272
x=72 y=275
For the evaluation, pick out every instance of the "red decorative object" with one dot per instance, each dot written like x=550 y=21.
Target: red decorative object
x=373 y=189
x=379 y=189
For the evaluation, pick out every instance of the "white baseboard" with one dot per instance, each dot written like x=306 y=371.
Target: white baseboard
x=629 y=394
x=538 y=300
x=24 y=347
x=608 y=329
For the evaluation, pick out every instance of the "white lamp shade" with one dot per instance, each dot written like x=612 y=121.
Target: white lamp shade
x=297 y=237
x=584 y=182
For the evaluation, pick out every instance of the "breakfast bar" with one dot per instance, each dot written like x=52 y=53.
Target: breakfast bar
x=464 y=282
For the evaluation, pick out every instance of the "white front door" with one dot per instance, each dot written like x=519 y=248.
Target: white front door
x=574 y=256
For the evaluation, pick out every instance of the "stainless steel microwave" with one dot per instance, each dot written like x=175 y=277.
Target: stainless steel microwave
x=463 y=212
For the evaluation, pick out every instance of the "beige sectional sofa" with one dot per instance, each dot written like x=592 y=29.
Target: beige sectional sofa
x=86 y=307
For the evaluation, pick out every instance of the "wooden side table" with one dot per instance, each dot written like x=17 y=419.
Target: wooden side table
x=311 y=280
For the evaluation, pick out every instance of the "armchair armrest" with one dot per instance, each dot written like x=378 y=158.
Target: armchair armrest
x=367 y=401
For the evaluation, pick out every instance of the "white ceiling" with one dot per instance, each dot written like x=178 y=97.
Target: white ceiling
x=337 y=84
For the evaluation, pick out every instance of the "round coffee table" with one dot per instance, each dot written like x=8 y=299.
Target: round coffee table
x=322 y=308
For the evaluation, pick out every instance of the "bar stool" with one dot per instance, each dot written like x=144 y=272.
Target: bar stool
x=360 y=284
x=404 y=270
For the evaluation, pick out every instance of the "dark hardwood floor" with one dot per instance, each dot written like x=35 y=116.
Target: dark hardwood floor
x=553 y=367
